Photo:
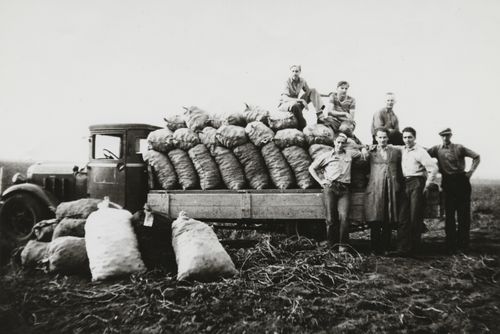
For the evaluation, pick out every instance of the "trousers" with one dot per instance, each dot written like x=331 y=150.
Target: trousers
x=457 y=194
x=411 y=215
x=337 y=212
x=312 y=96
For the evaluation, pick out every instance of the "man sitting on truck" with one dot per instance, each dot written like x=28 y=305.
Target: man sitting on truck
x=341 y=108
x=290 y=100
x=335 y=168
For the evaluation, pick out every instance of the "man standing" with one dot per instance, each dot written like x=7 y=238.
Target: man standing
x=335 y=167
x=341 y=109
x=419 y=171
x=456 y=188
x=290 y=100
x=387 y=119
x=382 y=195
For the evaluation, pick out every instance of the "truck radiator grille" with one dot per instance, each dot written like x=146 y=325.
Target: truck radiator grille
x=57 y=186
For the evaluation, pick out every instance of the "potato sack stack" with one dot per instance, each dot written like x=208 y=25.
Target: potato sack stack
x=205 y=166
x=163 y=170
x=174 y=122
x=196 y=118
x=253 y=165
x=184 y=168
x=279 y=120
x=230 y=168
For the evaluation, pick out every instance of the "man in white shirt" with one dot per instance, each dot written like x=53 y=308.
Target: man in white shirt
x=419 y=171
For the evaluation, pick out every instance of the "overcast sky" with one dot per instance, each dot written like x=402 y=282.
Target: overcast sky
x=67 y=64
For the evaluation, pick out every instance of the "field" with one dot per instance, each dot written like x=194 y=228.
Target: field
x=286 y=285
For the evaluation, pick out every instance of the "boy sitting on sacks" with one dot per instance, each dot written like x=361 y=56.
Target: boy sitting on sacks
x=340 y=109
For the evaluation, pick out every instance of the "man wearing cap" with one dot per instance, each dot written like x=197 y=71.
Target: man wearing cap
x=387 y=119
x=335 y=169
x=290 y=100
x=456 y=188
x=419 y=171
x=341 y=109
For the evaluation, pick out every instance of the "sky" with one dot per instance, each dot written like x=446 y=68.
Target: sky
x=65 y=65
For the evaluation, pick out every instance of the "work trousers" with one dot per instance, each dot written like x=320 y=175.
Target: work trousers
x=411 y=214
x=312 y=96
x=337 y=212
x=457 y=194
x=381 y=231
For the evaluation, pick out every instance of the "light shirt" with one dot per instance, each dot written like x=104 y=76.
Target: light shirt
x=337 y=165
x=416 y=161
x=347 y=104
x=293 y=88
x=451 y=158
x=385 y=118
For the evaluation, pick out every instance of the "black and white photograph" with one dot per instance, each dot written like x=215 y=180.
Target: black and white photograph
x=249 y=166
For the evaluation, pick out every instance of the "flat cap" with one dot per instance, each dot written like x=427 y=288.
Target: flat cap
x=446 y=131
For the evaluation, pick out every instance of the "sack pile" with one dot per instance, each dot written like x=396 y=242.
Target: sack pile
x=252 y=149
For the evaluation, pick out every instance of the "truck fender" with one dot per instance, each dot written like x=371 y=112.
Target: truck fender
x=44 y=196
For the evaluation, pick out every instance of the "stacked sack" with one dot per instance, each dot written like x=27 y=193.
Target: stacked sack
x=252 y=149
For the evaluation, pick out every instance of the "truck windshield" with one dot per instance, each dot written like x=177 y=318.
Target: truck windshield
x=107 y=146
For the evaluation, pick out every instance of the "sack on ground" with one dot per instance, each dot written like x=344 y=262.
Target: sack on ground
x=315 y=150
x=254 y=113
x=253 y=165
x=80 y=208
x=161 y=140
x=74 y=227
x=34 y=254
x=279 y=170
x=43 y=230
x=185 y=139
x=300 y=161
x=196 y=118
x=230 y=168
x=175 y=121
x=111 y=244
x=163 y=170
x=199 y=254
x=208 y=138
x=289 y=137
x=231 y=136
x=155 y=242
x=318 y=134
x=68 y=255
x=184 y=169
x=279 y=120
x=208 y=172
x=259 y=134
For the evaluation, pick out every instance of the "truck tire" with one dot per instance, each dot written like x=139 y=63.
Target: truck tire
x=17 y=216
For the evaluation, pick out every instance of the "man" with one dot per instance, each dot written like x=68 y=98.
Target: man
x=382 y=195
x=290 y=100
x=341 y=109
x=335 y=168
x=456 y=188
x=419 y=171
x=387 y=119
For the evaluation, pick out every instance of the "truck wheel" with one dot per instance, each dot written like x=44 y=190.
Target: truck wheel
x=17 y=217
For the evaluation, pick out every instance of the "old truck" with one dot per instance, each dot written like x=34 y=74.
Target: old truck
x=115 y=168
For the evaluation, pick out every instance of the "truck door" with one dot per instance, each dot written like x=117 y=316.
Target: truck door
x=136 y=170
x=106 y=168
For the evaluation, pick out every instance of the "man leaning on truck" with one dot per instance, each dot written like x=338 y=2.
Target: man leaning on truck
x=335 y=168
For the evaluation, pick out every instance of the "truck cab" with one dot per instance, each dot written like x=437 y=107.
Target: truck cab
x=115 y=168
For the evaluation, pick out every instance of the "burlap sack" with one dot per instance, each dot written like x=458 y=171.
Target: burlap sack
x=74 y=227
x=282 y=120
x=279 y=170
x=253 y=165
x=184 y=169
x=163 y=170
x=175 y=121
x=196 y=118
x=318 y=134
x=35 y=253
x=185 y=139
x=161 y=140
x=230 y=169
x=289 y=137
x=199 y=254
x=231 y=136
x=43 y=230
x=208 y=172
x=208 y=138
x=111 y=244
x=300 y=161
x=68 y=255
x=235 y=118
x=254 y=113
x=81 y=208
x=315 y=150
x=259 y=134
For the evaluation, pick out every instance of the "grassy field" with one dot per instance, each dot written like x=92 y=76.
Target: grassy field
x=285 y=285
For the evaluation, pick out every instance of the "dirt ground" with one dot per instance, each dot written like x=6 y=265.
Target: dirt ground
x=285 y=285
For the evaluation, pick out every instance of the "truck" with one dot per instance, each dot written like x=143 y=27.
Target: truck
x=116 y=169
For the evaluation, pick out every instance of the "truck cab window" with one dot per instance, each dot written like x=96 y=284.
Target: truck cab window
x=107 y=147
x=141 y=145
